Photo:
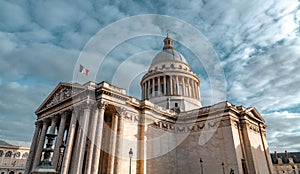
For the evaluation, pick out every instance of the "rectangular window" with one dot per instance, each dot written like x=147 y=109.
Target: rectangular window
x=244 y=166
x=176 y=105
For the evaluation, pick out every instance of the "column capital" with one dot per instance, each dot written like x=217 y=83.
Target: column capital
x=38 y=123
x=102 y=105
x=46 y=122
x=121 y=111
x=89 y=104
x=54 y=118
x=64 y=114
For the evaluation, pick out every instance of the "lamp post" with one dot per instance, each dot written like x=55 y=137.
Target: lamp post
x=223 y=167
x=46 y=163
x=61 y=156
x=201 y=165
x=130 y=156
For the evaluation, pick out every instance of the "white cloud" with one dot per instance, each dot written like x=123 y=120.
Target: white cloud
x=17 y=105
x=283 y=131
x=12 y=16
x=39 y=62
x=268 y=81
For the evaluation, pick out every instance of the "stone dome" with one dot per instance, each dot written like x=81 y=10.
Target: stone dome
x=168 y=55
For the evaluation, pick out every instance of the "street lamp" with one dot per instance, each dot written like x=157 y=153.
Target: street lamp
x=62 y=148
x=201 y=162
x=130 y=156
x=223 y=167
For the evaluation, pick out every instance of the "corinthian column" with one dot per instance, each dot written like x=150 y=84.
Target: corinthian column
x=118 y=159
x=177 y=86
x=144 y=90
x=153 y=87
x=32 y=147
x=140 y=147
x=53 y=125
x=165 y=85
x=197 y=90
x=98 y=136
x=69 y=146
x=113 y=137
x=40 y=147
x=193 y=89
x=158 y=86
x=92 y=133
x=59 y=140
x=171 y=85
x=148 y=89
x=189 y=87
x=83 y=129
x=183 y=86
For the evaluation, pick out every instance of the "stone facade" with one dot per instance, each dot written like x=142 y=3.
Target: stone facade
x=169 y=131
x=13 y=159
x=287 y=162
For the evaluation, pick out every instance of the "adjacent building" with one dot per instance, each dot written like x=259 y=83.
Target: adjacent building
x=12 y=158
x=287 y=162
x=98 y=128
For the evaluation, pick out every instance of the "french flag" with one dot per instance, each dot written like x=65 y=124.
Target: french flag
x=83 y=70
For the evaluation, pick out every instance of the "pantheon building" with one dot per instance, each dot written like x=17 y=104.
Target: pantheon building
x=95 y=128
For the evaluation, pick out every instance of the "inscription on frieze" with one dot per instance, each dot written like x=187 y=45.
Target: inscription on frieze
x=182 y=128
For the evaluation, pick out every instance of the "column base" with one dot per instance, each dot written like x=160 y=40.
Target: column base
x=43 y=171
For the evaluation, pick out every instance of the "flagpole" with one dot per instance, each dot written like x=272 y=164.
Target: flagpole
x=77 y=75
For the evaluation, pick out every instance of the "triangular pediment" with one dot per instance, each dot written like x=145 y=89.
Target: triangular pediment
x=62 y=92
x=253 y=112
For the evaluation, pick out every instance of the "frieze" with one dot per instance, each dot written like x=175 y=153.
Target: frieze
x=99 y=92
x=212 y=124
x=180 y=128
x=130 y=117
x=254 y=128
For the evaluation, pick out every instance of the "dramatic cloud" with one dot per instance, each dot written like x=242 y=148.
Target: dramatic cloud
x=257 y=43
x=283 y=131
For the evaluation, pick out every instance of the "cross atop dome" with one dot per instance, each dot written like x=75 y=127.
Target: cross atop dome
x=168 y=43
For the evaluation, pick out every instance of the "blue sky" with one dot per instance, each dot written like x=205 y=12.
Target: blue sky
x=257 y=43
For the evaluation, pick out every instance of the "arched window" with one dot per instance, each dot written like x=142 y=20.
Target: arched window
x=172 y=66
x=2 y=172
x=11 y=172
x=25 y=155
x=1 y=153
x=17 y=154
x=20 y=172
x=8 y=154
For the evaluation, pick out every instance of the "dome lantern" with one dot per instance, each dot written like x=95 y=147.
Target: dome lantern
x=168 y=43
